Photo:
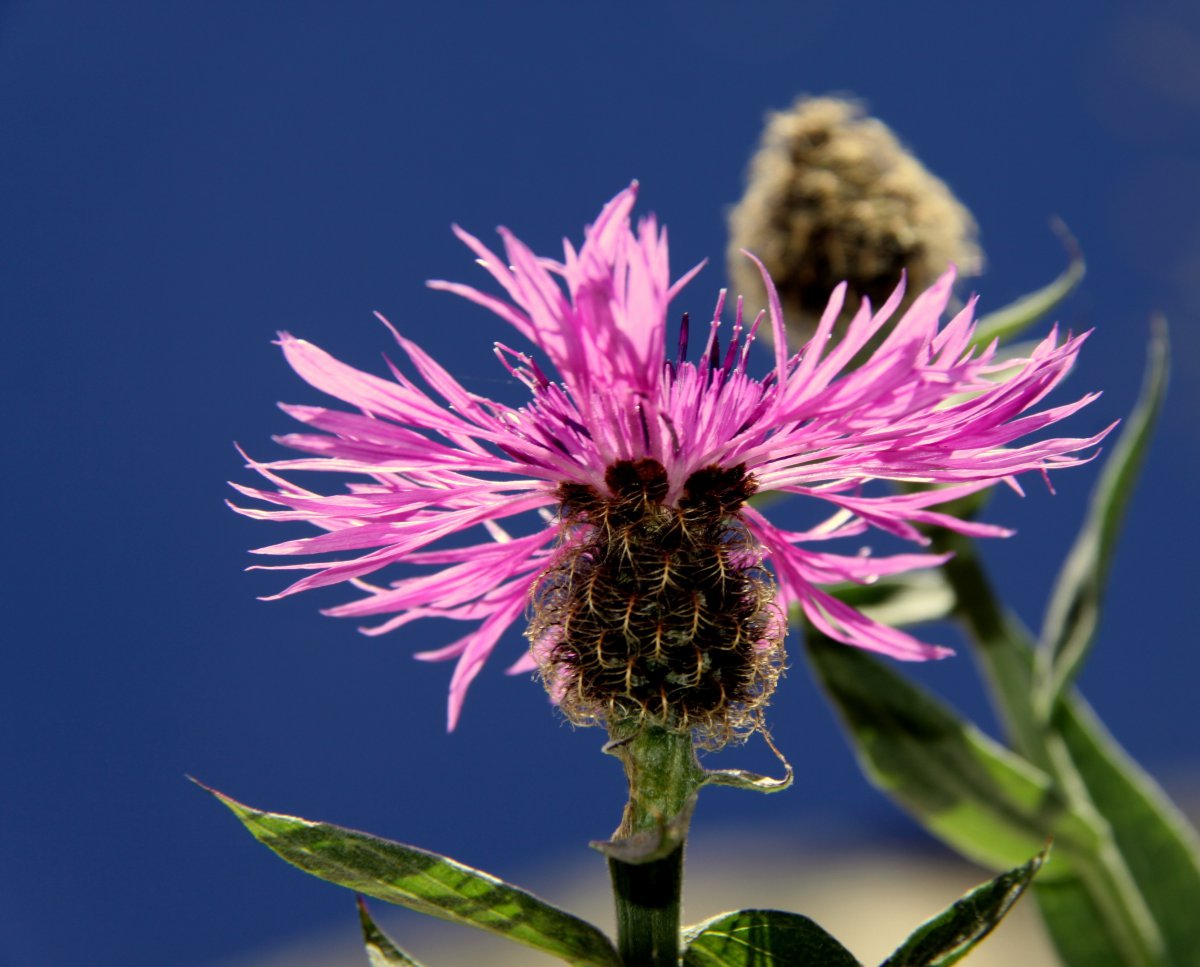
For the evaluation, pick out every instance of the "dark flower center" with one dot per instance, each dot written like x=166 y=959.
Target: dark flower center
x=656 y=611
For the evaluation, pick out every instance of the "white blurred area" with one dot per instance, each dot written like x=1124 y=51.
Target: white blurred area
x=869 y=899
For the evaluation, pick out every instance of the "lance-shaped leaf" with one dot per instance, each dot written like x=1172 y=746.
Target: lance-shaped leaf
x=985 y=801
x=382 y=951
x=1015 y=318
x=1074 y=609
x=1082 y=934
x=955 y=932
x=763 y=938
x=428 y=883
x=1156 y=844
x=1143 y=831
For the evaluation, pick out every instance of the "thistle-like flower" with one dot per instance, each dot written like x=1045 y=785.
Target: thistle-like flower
x=613 y=504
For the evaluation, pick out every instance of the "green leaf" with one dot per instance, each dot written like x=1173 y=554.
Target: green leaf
x=1074 y=609
x=1080 y=931
x=762 y=938
x=955 y=932
x=381 y=951
x=1148 y=857
x=1015 y=318
x=970 y=791
x=1160 y=849
x=427 y=883
x=900 y=600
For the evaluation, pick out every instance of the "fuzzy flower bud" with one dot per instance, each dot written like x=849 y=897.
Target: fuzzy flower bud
x=832 y=196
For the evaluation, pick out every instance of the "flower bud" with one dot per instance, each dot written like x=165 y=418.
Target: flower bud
x=832 y=196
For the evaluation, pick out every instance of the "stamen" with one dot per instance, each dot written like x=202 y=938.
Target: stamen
x=641 y=412
x=713 y=349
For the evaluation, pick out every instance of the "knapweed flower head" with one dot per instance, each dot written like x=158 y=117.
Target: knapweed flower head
x=831 y=196
x=612 y=505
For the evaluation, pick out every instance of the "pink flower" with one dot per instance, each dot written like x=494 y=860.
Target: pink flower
x=924 y=407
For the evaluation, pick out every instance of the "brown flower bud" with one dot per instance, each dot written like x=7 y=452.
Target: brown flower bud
x=832 y=195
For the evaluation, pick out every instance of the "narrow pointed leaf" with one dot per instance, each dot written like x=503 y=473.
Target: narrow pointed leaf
x=1015 y=318
x=985 y=801
x=1074 y=610
x=763 y=938
x=1151 y=838
x=381 y=950
x=955 y=932
x=1160 y=849
x=426 y=882
x=1077 y=926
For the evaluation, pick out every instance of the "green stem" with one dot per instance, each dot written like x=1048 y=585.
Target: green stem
x=646 y=852
x=647 y=896
x=1007 y=669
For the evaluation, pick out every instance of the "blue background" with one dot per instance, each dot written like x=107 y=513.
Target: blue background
x=179 y=180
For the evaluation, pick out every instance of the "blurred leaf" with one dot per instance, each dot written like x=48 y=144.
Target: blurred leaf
x=974 y=794
x=427 y=883
x=1074 y=609
x=381 y=951
x=1076 y=925
x=955 y=932
x=1142 y=831
x=1018 y=316
x=1160 y=849
x=899 y=600
x=762 y=938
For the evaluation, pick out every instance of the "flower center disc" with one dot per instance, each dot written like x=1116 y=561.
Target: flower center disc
x=659 y=612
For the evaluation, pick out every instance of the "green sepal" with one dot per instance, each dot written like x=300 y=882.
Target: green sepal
x=426 y=882
x=763 y=938
x=982 y=799
x=958 y=929
x=382 y=951
x=1074 y=609
x=1014 y=318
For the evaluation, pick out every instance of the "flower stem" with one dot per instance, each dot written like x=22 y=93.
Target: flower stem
x=645 y=856
x=647 y=897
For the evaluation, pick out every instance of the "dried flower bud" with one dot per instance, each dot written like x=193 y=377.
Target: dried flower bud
x=833 y=196
x=659 y=613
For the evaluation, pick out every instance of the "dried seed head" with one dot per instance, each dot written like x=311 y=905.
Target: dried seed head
x=832 y=196
x=659 y=613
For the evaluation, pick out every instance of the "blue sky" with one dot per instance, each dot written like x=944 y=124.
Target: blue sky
x=179 y=181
